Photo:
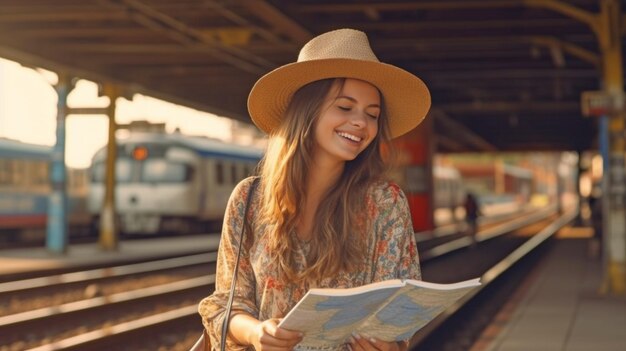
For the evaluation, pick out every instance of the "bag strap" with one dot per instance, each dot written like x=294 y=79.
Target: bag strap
x=231 y=296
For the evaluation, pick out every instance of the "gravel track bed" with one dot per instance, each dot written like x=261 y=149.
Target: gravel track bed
x=174 y=338
x=474 y=261
x=47 y=297
x=98 y=320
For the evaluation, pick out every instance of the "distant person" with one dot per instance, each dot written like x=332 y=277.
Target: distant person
x=595 y=205
x=472 y=212
x=323 y=215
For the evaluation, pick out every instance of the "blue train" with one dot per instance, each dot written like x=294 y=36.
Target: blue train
x=171 y=183
x=25 y=187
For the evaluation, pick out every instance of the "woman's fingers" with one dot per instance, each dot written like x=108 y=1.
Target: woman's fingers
x=361 y=343
x=273 y=336
x=281 y=333
x=384 y=345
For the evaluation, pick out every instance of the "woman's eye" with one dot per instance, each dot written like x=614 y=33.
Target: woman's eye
x=344 y=108
x=373 y=116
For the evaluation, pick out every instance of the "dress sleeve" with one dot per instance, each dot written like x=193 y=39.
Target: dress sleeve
x=212 y=308
x=395 y=253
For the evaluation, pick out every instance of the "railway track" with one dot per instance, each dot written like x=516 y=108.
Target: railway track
x=502 y=263
x=51 y=309
x=158 y=312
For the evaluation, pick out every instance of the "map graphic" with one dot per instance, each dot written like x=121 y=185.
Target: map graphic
x=390 y=310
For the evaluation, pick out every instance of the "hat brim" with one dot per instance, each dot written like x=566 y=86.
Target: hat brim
x=407 y=98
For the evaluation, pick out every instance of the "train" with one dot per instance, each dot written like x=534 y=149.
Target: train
x=175 y=183
x=170 y=183
x=25 y=188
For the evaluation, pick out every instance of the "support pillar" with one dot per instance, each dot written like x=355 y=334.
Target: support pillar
x=608 y=27
x=609 y=35
x=108 y=238
x=57 y=226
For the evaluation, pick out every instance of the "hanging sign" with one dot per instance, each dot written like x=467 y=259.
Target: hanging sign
x=600 y=103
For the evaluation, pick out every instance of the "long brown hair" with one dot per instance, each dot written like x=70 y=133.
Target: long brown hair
x=338 y=243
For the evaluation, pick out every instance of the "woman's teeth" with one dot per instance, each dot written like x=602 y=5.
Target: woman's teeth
x=349 y=136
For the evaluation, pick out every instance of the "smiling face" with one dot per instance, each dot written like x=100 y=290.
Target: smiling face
x=348 y=122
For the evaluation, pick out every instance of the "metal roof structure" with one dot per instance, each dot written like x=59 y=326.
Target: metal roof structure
x=505 y=75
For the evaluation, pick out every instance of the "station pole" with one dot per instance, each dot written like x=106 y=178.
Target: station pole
x=108 y=238
x=609 y=35
x=56 y=229
x=607 y=25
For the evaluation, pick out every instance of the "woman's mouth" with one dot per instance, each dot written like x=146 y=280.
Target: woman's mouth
x=350 y=137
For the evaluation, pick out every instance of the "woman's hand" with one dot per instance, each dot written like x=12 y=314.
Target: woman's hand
x=360 y=343
x=267 y=336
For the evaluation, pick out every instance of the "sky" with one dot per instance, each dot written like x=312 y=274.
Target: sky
x=28 y=113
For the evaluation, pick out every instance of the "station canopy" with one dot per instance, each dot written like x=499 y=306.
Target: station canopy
x=505 y=75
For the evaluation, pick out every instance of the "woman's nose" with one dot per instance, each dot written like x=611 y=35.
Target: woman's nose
x=358 y=120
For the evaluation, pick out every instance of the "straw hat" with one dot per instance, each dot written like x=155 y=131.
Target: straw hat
x=340 y=53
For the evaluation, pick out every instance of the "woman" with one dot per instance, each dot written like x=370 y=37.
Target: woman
x=323 y=216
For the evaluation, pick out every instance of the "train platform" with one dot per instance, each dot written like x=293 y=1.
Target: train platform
x=559 y=306
x=26 y=262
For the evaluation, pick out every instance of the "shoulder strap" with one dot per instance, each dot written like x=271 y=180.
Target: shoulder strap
x=231 y=296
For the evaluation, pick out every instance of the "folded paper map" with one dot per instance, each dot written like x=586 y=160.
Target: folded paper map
x=388 y=310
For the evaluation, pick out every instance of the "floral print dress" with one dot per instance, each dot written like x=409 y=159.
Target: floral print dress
x=391 y=254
